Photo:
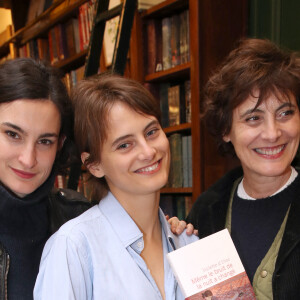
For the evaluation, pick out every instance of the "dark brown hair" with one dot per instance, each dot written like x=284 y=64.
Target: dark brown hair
x=25 y=78
x=92 y=99
x=255 y=64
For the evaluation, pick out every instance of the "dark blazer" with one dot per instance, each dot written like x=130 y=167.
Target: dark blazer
x=208 y=215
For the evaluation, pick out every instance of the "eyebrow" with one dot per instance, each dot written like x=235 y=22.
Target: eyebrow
x=121 y=138
x=19 y=129
x=252 y=110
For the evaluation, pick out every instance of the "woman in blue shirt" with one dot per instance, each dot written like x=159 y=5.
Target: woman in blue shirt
x=118 y=248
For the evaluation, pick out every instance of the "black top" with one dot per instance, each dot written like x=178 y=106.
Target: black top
x=23 y=232
x=208 y=214
x=255 y=224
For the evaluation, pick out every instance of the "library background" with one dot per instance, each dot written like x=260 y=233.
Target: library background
x=173 y=47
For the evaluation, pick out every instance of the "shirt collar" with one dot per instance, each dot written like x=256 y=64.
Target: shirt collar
x=126 y=229
x=123 y=225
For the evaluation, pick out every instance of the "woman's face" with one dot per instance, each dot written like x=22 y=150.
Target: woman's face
x=29 y=133
x=135 y=157
x=266 y=138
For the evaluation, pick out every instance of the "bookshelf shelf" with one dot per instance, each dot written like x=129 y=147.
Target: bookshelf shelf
x=72 y=62
x=59 y=11
x=178 y=128
x=209 y=21
x=165 y=8
x=176 y=190
x=179 y=72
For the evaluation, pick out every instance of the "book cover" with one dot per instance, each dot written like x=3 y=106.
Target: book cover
x=211 y=267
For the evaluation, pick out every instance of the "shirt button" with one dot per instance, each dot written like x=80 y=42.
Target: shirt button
x=140 y=244
x=264 y=273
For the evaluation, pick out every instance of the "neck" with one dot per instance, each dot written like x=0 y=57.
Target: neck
x=263 y=186
x=143 y=209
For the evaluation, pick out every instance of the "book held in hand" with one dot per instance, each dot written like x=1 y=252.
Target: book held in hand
x=211 y=267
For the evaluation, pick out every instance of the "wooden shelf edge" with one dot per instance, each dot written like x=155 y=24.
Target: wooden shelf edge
x=42 y=17
x=185 y=190
x=164 y=8
x=63 y=64
x=177 y=128
x=180 y=70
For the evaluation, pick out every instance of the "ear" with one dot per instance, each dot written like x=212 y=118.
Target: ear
x=95 y=169
x=226 y=138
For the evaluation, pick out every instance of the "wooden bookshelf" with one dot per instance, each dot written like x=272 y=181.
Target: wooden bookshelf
x=59 y=12
x=215 y=26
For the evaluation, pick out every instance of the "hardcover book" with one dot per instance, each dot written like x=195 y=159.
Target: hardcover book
x=211 y=267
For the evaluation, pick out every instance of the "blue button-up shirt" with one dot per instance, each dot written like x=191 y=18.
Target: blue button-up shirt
x=97 y=256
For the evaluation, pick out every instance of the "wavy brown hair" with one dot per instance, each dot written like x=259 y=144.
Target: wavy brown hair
x=256 y=64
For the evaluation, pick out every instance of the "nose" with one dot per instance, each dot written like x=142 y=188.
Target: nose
x=147 y=151
x=27 y=156
x=271 y=131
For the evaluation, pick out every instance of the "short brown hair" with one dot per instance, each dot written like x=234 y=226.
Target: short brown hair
x=92 y=99
x=254 y=64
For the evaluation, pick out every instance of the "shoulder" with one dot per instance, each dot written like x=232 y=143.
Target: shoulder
x=221 y=188
x=64 y=205
x=216 y=197
x=77 y=230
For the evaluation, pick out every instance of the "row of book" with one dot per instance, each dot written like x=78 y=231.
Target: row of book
x=181 y=170
x=175 y=103
x=73 y=77
x=175 y=205
x=64 y=39
x=168 y=42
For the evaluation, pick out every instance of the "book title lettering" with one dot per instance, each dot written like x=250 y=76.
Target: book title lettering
x=214 y=273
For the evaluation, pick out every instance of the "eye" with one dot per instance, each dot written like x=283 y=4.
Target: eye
x=123 y=146
x=252 y=118
x=152 y=132
x=286 y=113
x=12 y=134
x=45 y=142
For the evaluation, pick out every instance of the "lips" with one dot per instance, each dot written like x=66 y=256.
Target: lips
x=23 y=174
x=271 y=151
x=150 y=169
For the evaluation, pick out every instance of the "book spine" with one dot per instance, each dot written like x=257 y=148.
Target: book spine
x=188 y=102
x=174 y=105
x=176 y=160
x=164 y=105
x=166 y=43
x=151 y=54
x=185 y=165
x=190 y=161
x=175 y=40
